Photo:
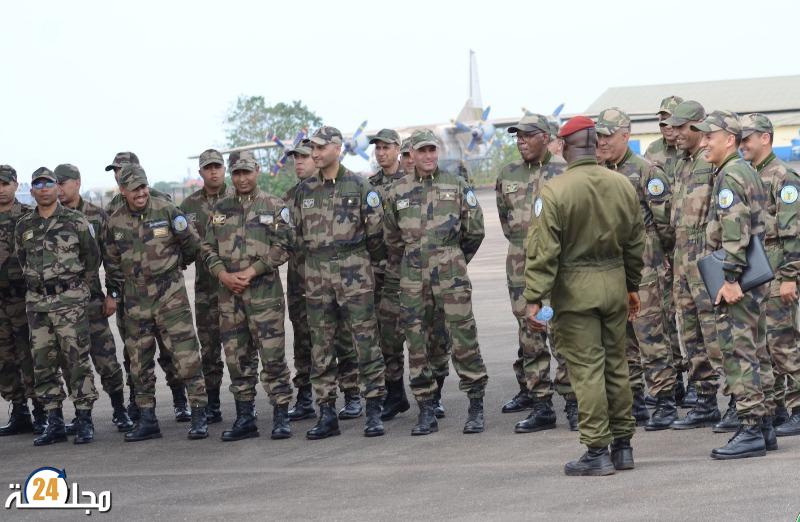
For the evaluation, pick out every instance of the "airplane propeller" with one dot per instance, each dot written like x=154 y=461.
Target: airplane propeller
x=300 y=136
x=357 y=144
x=481 y=132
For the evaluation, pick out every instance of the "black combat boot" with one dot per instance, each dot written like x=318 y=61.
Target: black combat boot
x=327 y=425
x=520 y=402
x=542 y=417
x=730 y=421
x=181 y=405
x=748 y=442
x=280 y=422
x=665 y=414
x=781 y=416
x=146 y=427
x=352 y=406
x=639 y=410
x=622 y=454
x=84 y=428
x=768 y=432
x=373 y=426
x=690 y=397
x=790 y=427
x=571 y=409
x=19 y=420
x=595 y=462
x=213 y=410
x=438 y=407
x=54 y=431
x=704 y=414
x=244 y=426
x=199 y=427
x=39 y=417
x=426 y=422
x=69 y=427
x=396 y=400
x=650 y=401
x=120 y=416
x=304 y=407
x=133 y=409
x=474 y=422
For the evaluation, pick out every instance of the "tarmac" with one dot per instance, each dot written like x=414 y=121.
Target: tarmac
x=496 y=475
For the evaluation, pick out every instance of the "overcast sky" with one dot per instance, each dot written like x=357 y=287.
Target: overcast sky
x=82 y=80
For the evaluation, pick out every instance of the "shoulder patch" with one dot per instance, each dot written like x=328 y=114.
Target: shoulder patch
x=789 y=194
x=537 y=207
x=472 y=201
x=725 y=198
x=373 y=199
x=286 y=216
x=655 y=187
x=308 y=203
x=179 y=223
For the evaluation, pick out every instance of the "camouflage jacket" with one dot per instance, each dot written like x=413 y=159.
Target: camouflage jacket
x=425 y=215
x=518 y=185
x=382 y=182
x=59 y=257
x=10 y=271
x=738 y=212
x=781 y=185
x=249 y=231
x=338 y=216
x=663 y=155
x=694 y=178
x=654 y=191
x=117 y=202
x=147 y=247
x=295 y=272
x=198 y=207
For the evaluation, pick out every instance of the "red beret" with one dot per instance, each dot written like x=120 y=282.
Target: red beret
x=578 y=123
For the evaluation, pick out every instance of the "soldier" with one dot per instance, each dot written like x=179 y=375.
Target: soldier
x=518 y=184
x=148 y=242
x=585 y=250
x=181 y=407
x=736 y=216
x=556 y=145
x=664 y=151
x=433 y=227
x=648 y=348
x=781 y=241
x=406 y=161
x=16 y=364
x=689 y=217
x=248 y=239
x=103 y=350
x=197 y=207
x=58 y=255
x=337 y=219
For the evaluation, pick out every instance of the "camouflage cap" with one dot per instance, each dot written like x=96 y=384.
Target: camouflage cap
x=211 y=156
x=132 y=176
x=423 y=137
x=325 y=135
x=242 y=160
x=685 y=112
x=386 y=136
x=531 y=123
x=611 y=120
x=405 y=147
x=67 y=171
x=755 y=122
x=43 y=172
x=554 y=125
x=121 y=159
x=8 y=174
x=303 y=149
x=720 y=120
x=668 y=104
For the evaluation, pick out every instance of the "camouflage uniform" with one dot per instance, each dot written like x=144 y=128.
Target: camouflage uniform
x=518 y=184
x=339 y=230
x=252 y=230
x=59 y=256
x=145 y=253
x=434 y=226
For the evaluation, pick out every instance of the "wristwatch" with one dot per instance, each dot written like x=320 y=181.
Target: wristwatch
x=731 y=277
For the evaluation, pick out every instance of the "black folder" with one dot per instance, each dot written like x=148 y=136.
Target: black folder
x=757 y=272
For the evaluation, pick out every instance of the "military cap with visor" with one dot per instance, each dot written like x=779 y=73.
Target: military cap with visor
x=131 y=177
x=386 y=136
x=755 y=122
x=121 y=159
x=720 y=121
x=66 y=171
x=611 y=120
x=531 y=123
x=8 y=174
x=685 y=112
x=326 y=135
x=209 y=157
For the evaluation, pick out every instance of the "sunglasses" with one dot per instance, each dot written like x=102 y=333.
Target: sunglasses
x=38 y=185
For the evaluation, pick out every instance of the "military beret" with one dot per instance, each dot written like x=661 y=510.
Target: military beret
x=575 y=124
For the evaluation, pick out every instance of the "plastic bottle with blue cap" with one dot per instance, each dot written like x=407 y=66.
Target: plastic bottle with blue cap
x=545 y=314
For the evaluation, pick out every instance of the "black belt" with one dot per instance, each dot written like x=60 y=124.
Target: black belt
x=55 y=287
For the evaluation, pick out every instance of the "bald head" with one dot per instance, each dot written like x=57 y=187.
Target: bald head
x=580 y=145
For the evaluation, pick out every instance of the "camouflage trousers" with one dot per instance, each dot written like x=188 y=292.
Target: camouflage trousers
x=666 y=278
x=163 y=308
x=783 y=348
x=252 y=328
x=532 y=366
x=16 y=362
x=62 y=337
x=339 y=289
x=698 y=329
x=206 y=310
x=440 y=286
x=633 y=354
x=741 y=332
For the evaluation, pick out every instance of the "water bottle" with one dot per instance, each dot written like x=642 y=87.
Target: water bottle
x=545 y=314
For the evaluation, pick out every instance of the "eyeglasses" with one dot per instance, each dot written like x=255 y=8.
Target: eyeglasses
x=39 y=185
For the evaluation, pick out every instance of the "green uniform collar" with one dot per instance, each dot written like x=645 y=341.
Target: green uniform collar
x=766 y=162
x=730 y=158
x=625 y=158
x=584 y=161
x=219 y=194
x=248 y=198
x=545 y=160
x=339 y=174
x=433 y=175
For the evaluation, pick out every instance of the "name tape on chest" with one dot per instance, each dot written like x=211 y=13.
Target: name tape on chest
x=308 y=203
x=655 y=187
x=160 y=232
x=725 y=198
x=789 y=194
x=511 y=188
x=266 y=219
x=403 y=204
x=218 y=219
